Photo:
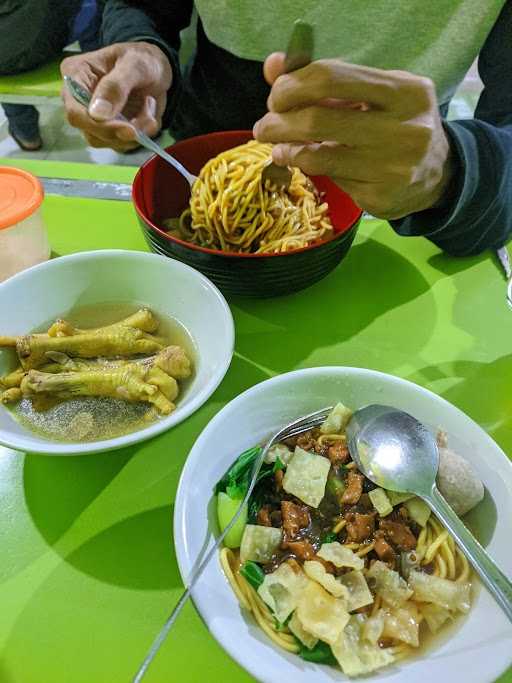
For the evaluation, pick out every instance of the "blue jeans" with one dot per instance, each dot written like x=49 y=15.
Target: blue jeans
x=23 y=120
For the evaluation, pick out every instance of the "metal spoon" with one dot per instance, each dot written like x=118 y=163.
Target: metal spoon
x=398 y=453
x=298 y=54
x=81 y=95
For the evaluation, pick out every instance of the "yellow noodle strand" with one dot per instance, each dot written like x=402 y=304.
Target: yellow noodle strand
x=232 y=211
x=339 y=526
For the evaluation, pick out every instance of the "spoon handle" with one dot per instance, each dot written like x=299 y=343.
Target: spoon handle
x=492 y=577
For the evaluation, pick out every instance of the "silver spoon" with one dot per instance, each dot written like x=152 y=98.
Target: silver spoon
x=81 y=95
x=397 y=452
x=298 y=54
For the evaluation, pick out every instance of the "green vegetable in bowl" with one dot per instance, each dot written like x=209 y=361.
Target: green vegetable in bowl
x=418 y=510
x=329 y=537
x=253 y=573
x=236 y=480
x=226 y=510
x=320 y=654
x=336 y=486
x=380 y=502
x=233 y=487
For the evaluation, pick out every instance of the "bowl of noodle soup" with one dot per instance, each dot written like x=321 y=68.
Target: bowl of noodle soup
x=272 y=652
x=248 y=239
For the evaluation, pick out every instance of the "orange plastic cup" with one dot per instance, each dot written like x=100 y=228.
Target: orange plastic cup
x=23 y=236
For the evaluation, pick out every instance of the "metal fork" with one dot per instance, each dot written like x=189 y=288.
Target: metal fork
x=294 y=428
x=83 y=96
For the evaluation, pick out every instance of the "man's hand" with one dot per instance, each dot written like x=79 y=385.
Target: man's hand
x=376 y=133
x=128 y=78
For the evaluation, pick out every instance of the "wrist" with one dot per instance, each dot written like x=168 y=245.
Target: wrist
x=445 y=190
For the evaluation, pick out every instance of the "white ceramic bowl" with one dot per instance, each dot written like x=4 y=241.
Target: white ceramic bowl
x=52 y=289
x=481 y=646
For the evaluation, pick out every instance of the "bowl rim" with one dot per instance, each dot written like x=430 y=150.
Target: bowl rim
x=197 y=399
x=217 y=252
x=186 y=563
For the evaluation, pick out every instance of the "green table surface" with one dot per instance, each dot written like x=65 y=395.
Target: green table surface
x=45 y=81
x=88 y=571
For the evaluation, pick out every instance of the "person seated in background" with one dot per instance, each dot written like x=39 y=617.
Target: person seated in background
x=396 y=155
x=34 y=32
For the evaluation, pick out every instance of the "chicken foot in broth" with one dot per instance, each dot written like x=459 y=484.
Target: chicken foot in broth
x=143 y=320
x=151 y=380
x=13 y=379
x=161 y=370
x=130 y=382
x=124 y=361
x=172 y=360
x=32 y=349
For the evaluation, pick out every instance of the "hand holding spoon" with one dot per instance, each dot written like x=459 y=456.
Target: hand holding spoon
x=398 y=453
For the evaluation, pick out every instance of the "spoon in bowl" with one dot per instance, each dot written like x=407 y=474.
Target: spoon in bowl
x=398 y=453
x=81 y=95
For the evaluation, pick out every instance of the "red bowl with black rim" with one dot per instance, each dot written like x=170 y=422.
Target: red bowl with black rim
x=160 y=192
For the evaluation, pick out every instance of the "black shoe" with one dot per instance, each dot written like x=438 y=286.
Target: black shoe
x=33 y=145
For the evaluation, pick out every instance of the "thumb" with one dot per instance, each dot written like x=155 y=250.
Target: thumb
x=113 y=90
x=274 y=66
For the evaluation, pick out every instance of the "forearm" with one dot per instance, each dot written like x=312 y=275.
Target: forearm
x=478 y=213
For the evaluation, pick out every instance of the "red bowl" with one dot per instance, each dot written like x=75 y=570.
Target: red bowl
x=160 y=192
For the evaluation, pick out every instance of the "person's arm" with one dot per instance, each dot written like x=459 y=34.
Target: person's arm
x=477 y=213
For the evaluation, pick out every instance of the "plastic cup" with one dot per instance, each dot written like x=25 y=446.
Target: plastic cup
x=23 y=236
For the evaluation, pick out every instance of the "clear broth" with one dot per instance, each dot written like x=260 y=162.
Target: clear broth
x=88 y=419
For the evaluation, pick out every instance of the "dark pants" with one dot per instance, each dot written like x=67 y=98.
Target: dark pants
x=23 y=120
x=32 y=33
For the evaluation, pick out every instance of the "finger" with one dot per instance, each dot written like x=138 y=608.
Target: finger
x=333 y=78
x=327 y=159
x=147 y=120
x=274 y=66
x=96 y=142
x=317 y=124
x=86 y=69
x=116 y=146
x=109 y=132
x=112 y=91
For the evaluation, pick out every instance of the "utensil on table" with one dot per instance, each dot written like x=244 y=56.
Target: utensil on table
x=298 y=426
x=504 y=259
x=298 y=54
x=398 y=453
x=82 y=96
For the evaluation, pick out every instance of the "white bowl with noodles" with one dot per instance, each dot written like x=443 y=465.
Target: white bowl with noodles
x=478 y=647
x=160 y=193
x=33 y=298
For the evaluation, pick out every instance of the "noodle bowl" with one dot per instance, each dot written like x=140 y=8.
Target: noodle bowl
x=330 y=566
x=231 y=210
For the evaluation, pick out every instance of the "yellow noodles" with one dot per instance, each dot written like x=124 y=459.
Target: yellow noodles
x=252 y=601
x=231 y=211
x=434 y=542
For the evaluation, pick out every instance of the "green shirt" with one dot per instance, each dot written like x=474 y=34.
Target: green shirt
x=435 y=38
